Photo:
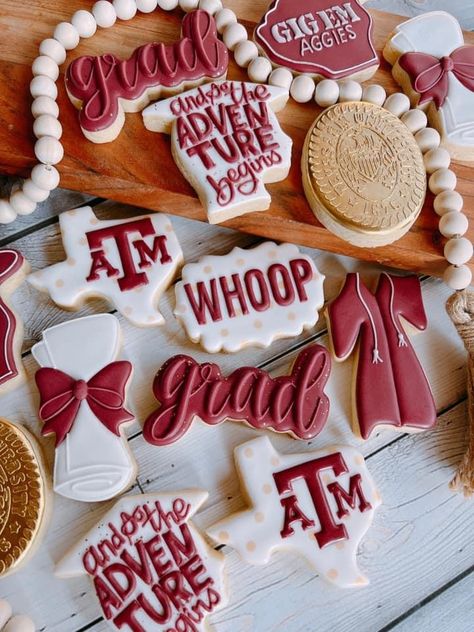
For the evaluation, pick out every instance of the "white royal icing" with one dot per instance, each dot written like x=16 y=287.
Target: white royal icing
x=91 y=464
x=147 y=560
x=249 y=297
x=131 y=270
x=238 y=118
x=328 y=541
x=438 y=33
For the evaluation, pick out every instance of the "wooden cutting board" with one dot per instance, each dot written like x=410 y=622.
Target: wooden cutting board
x=138 y=168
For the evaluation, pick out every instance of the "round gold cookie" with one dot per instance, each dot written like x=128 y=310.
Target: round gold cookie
x=22 y=495
x=363 y=173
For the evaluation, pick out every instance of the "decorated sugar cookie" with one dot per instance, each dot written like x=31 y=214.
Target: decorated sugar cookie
x=391 y=388
x=227 y=142
x=363 y=174
x=152 y=570
x=318 y=504
x=295 y=404
x=319 y=37
x=130 y=262
x=82 y=390
x=249 y=297
x=105 y=87
x=24 y=496
x=436 y=69
x=13 y=268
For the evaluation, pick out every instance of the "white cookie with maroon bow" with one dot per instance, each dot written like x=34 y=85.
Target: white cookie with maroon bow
x=151 y=568
x=82 y=390
x=319 y=504
x=436 y=69
x=130 y=262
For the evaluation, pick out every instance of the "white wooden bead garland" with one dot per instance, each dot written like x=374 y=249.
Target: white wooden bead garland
x=47 y=129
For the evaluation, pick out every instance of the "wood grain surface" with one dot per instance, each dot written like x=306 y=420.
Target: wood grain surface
x=138 y=167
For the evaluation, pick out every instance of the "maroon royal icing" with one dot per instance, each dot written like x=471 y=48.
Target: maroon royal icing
x=295 y=404
x=322 y=37
x=11 y=262
x=99 y=82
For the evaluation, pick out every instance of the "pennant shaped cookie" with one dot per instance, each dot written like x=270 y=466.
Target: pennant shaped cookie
x=318 y=504
x=227 y=142
x=130 y=262
x=151 y=568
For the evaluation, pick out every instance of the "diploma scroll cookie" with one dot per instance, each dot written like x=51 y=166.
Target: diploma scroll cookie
x=13 y=270
x=130 y=262
x=295 y=404
x=435 y=68
x=24 y=496
x=151 y=568
x=249 y=297
x=318 y=504
x=227 y=142
x=82 y=388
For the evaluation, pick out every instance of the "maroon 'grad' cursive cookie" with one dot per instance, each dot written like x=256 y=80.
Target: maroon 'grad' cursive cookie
x=391 y=388
x=295 y=404
x=319 y=37
x=105 y=87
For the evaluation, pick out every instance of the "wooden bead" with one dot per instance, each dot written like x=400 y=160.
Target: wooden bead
x=188 y=5
x=211 y=6
x=234 y=34
x=52 y=48
x=67 y=35
x=302 y=88
x=397 y=103
x=168 y=5
x=448 y=202
x=44 y=65
x=435 y=159
x=415 y=120
x=125 y=9
x=34 y=193
x=350 y=91
x=7 y=215
x=45 y=177
x=374 y=94
x=5 y=608
x=224 y=18
x=259 y=70
x=84 y=23
x=281 y=77
x=46 y=125
x=458 y=251
x=245 y=52
x=442 y=180
x=452 y=224
x=327 y=93
x=49 y=150
x=427 y=139
x=21 y=204
x=44 y=105
x=147 y=6
x=458 y=277
x=104 y=14
x=20 y=623
x=42 y=86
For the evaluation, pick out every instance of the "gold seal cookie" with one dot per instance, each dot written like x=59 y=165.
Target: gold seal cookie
x=363 y=173
x=22 y=495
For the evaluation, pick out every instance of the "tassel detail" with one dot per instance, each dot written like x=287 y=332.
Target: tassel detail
x=401 y=340
x=376 y=359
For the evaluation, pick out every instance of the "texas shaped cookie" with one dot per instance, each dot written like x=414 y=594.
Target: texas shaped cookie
x=436 y=69
x=13 y=269
x=319 y=504
x=152 y=570
x=227 y=142
x=130 y=262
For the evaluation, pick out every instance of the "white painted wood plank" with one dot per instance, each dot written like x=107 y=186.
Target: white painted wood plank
x=452 y=610
x=463 y=10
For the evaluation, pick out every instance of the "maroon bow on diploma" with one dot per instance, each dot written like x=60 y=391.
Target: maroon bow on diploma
x=429 y=75
x=61 y=397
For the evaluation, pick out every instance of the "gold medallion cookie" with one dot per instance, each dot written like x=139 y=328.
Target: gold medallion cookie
x=23 y=494
x=363 y=174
